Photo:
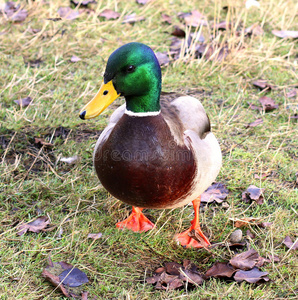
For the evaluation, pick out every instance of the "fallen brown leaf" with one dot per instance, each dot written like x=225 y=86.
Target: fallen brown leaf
x=221 y=270
x=24 y=102
x=216 y=192
x=133 y=18
x=245 y=260
x=243 y=222
x=292 y=93
x=94 y=236
x=13 y=12
x=36 y=225
x=222 y=25
x=68 y=13
x=73 y=277
x=194 y=18
x=253 y=193
x=162 y=58
x=178 y=32
x=109 y=14
x=261 y=176
x=41 y=142
x=251 y=276
x=262 y=84
x=265 y=224
x=83 y=2
x=288 y=242
x=75 y=59
x=173 y=275
x=212 y=52
x=254 y=29
x=166 y=18
x=250 y=234
x=143 y=2
x=254 y=123
x=34 y=63
x=286 y=33
x=268 y=103
x=66 y=278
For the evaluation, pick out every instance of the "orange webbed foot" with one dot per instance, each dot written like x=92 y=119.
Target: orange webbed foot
x=185 y=240
x=136 y=221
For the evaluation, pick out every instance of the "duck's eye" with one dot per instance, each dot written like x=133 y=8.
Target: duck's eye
x=130 y=69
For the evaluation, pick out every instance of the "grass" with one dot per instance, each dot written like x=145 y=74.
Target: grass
x=35 y=182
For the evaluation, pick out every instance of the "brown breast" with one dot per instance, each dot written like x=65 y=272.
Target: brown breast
x=141 y=165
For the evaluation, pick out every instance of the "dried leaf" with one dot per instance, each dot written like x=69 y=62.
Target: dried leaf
x=262 y=84
x=94 y=236
x=68 y=13
x=24 y=102
x=286 y=33
x=172 y=268
x=194 y=18
x=133 y=18
x=212 y=52
x=34 y=63
x=191 y=277
x=143 y=2
x=292 y=93
x=166 y=18
x=254 y=29
x=268 y=103
x=13 y=12
x=222 y=25
x=261 y=176
x=250 y=234
x=178 y=32
x=216 y=192
x=168 y=282
x=19 y=16
x=245 y=260
x=173 y=275
x=253 y=193
x=55 y=281
x=109 y=14
x=69 y=160
x=255 y=107
x=265 y=224
x=82 y=2
x=245 y=222
x=73 y=277
x=41 y=142
x=254 y=123
x=162 y=58
x=75 y=59
x=221 y=270
x=36 y=225
x=288 y=242
x=251 y=276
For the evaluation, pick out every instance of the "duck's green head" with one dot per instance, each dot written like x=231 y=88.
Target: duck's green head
x=132 y=71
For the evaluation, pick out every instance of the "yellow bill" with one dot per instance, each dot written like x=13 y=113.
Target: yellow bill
x=105 y=96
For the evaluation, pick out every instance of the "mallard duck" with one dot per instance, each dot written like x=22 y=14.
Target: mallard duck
x=156 y=152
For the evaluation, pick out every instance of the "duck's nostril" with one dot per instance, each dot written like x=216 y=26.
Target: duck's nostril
x=82 y=115
x=105 y=92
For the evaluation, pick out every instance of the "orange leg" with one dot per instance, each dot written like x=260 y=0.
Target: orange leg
x=136 y=222
x=184 y=239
